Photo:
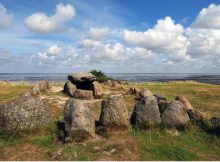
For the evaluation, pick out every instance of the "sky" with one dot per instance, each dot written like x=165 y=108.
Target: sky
x=124 y=36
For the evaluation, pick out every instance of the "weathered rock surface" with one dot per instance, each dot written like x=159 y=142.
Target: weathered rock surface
x=81 y=76
x=146 y=113
x=97 y=90
x=175 y=115
x=79 y=122
x=114 y=112
x=69 y=88
x=144 y=92
x=196 y=116
x=161 y=101
x=184 y=101
x=83 y=94
x=24 y=112
x=40 y=87
x=115 y=84
x=109 y=83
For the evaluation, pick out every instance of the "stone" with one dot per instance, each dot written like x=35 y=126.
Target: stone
x=215 y=121
x=109 y=83
x=81 y=77
x=134 y=91
x=184 y=101
x=114 y=112
x=160 y=97
x=175 y=115
x=196 y=116
x=83 y=94
x=115 y=84
x=146 y=113
x=40 y=87
x=25 y=112
x=97 y=90
x=79 y=121
x=69 y=88
x=161 y=101
x=144 y=92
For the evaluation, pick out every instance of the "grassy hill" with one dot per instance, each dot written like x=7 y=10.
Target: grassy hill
x=129 y=144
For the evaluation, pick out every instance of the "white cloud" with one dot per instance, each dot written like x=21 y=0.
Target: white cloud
x=204 y=35
x=208 y=18
x=54 y=50
x=98 y=33
x=165 y=37
x=6 y=18
x=89 y=43
x=41 y=23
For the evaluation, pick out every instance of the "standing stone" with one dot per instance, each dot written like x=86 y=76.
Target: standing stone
x=69 y=88
x=114 y=112
x=24 y=112
x=175 y=116
x=97 y=90
x=184 y=101
x=83 y=94
x=40 y=87
x=145 y=93
x=79 y=122
x=146 y=113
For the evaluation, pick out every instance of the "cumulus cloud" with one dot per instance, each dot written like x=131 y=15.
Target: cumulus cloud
x=41 y=23
x=208 y=18
x=6 y=18
x=165 y=37
x=54 y=50
x=98 y=33
x=204 y=35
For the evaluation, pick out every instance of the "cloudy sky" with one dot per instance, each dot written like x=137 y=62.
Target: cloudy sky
x=154 y=36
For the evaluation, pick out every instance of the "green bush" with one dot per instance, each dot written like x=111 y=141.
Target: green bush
x=100 y=76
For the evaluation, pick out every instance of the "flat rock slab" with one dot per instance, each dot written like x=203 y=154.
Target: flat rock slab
x=81 y=76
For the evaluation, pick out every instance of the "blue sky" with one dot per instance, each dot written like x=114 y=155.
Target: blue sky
x=111 y=35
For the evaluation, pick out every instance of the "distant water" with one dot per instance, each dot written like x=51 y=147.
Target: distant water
x=131 y=77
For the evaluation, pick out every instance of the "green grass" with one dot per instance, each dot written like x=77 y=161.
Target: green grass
x=156 y=144
x=9 y=91
x=193 y=144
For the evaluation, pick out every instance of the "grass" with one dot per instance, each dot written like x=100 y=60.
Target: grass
x=155 y=144
x=9 y=91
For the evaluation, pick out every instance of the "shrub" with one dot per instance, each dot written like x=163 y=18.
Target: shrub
x=100 y=76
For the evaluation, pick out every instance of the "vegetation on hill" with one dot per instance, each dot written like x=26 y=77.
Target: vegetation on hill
x=100 y=76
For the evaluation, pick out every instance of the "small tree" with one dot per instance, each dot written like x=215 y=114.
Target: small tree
x=100 y=76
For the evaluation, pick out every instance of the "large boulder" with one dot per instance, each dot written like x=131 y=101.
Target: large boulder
x=146 y=113
x=144 y=92
x=79 y=122
x=25 y=112
x=184 y=101
x=81 y=77
x=69 y=88
x=175 y=115
x=114 y=112
x=196 y=116
x=40 y=87
x=97 y=90
x=83 y=94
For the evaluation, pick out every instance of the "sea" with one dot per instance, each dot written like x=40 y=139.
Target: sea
x=130 y=77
